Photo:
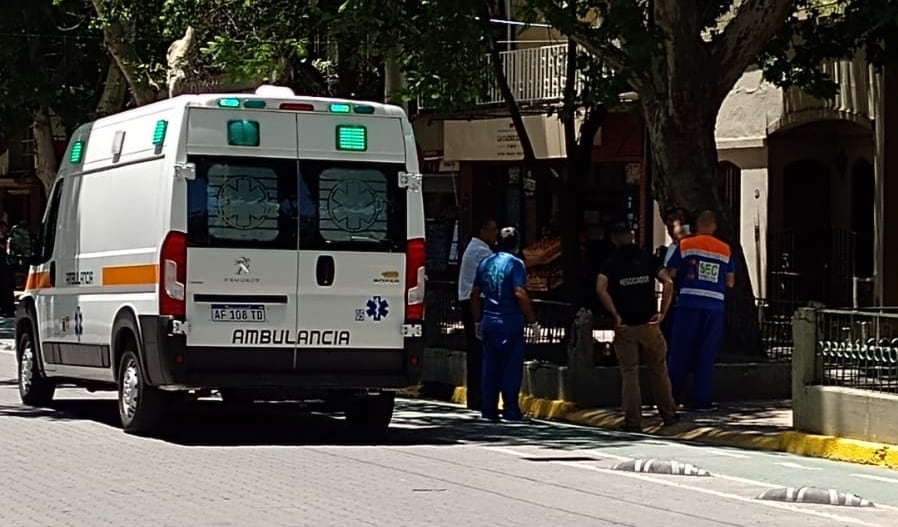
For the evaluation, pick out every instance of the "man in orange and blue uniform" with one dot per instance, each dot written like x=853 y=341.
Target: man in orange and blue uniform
x=704 y=269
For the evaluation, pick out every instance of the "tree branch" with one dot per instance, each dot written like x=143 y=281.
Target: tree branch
x=745 y=36
x=118 y=43
x=510 y=102
x=683 y=56
x=594 y=120
x=615 y=58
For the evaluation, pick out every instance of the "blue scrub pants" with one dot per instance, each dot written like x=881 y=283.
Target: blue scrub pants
x=695 y=341
x=503 y=364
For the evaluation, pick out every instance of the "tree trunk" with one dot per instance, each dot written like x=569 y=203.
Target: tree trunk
x=685 y=161
x=114 y=91
x=44 y=155
x=394 y=84
x=118 y=38
x=529 y=163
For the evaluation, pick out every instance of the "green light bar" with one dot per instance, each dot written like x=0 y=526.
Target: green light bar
x=254 y=104
x=159 y=132
x=340 y=108
x=229 y=103
x=76 y=153
x=352 y=138
x=243 y=133
x=364 y=108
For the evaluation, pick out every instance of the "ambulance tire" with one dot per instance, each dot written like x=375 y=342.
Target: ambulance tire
x=369 y=417
x=34 y=388
x=141 y=407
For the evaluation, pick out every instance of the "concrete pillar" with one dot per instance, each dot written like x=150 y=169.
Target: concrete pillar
x=886 y=204
x=804 y=362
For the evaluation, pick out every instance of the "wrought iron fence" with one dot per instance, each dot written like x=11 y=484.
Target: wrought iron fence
x=775 y=324
x=446 y=330
x=858 y=349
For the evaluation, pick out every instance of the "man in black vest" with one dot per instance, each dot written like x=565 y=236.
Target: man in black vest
x=626 y=288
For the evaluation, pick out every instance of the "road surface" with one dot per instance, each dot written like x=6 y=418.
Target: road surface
x=71 y=466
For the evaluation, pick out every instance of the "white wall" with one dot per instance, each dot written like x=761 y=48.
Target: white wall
x=748 y=110
x=745 y=116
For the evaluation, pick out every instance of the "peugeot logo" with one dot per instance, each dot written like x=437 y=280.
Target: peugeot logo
x=242 y=264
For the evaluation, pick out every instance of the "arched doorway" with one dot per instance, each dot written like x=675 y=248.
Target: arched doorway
x=863 y=194
x=730 y=177
x=802 y=250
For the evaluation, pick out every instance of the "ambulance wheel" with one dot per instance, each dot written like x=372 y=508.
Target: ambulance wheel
x=141 y=407
x=370 y=416
x=34 y=388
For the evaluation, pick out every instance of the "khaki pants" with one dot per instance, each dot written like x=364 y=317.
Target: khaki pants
x=631 y=342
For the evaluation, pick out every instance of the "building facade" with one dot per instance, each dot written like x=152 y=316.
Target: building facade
x=806 y=180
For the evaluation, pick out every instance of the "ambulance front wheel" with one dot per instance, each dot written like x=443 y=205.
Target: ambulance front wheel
x=141 y=407
x=370 y=416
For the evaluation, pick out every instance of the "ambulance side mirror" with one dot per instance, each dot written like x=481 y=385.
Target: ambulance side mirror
x=185 y=171
x=19 y=248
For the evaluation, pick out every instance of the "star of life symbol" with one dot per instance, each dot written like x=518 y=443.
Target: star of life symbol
x=377 y=308
x=242 y=264
x=243 y=203
x=79 y=323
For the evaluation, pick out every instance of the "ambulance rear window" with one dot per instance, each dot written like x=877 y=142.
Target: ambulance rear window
x=249 y=202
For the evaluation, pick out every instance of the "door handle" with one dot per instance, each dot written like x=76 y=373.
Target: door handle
x=324 y=270
x=52 y=274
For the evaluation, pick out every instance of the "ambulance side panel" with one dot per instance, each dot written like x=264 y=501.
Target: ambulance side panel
x=114 y=217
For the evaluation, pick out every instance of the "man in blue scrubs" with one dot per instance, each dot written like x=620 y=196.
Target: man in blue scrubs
x=704 y=269
x=501 y=314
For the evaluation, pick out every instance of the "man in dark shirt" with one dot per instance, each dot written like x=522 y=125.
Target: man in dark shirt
x=500 y=315
x=625 y=287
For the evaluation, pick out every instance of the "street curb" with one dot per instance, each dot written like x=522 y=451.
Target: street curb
x=809 y=445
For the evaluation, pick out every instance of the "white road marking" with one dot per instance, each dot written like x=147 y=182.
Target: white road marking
x=721 y=494
x=876 y=478
x=706 y=450
x=598 y=456
x=789 y=464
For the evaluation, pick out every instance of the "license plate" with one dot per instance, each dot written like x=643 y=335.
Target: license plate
x=238 y=313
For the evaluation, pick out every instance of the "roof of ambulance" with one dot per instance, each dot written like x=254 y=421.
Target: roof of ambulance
x=283 y=94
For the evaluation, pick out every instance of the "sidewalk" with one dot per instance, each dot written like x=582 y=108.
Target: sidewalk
x=762 y=425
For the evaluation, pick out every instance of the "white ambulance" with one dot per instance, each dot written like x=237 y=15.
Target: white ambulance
x=265 y=246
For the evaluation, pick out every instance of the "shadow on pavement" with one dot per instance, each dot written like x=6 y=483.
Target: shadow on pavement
x=210 y=423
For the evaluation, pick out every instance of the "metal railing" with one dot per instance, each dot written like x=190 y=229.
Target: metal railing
x=775 y=322
x=535 y=75
x=857 y=349
x=444 y=327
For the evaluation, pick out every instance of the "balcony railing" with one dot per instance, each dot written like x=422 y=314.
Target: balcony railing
x=857 y=97
x=535 y=76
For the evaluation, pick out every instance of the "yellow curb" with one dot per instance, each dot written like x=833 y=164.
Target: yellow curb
x=809 y=445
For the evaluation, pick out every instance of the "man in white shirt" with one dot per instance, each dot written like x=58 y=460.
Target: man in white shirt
x=480 y=247
x=677 y=223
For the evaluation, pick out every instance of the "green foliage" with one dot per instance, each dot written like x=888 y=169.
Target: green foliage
x=245 y=40
x=816 y=30
x=831 y=29
x=42 y=65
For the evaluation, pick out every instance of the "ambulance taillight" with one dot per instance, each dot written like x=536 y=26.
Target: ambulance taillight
x=414 y=280
x=173 y=275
